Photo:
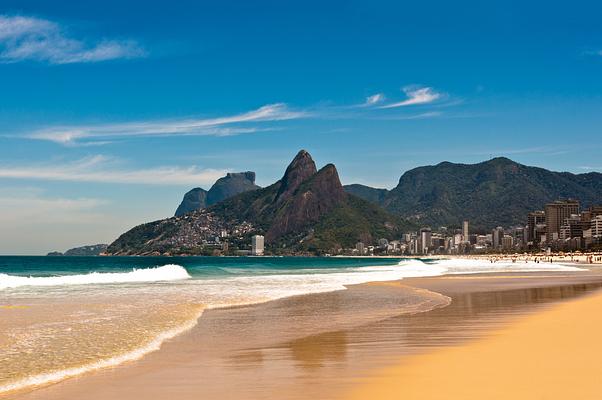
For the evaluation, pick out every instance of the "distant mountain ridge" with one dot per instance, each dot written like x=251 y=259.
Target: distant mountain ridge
x=230 y=185
x=373 y=195
x=498 y=192
x=306 y=211
x=90 y=250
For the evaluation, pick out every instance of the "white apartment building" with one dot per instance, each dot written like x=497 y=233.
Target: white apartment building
x=257 y=245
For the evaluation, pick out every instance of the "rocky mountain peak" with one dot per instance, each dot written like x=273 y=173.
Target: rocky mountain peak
x=230 y=185
x=247 y=175
x=314 y=197
x=300 y=169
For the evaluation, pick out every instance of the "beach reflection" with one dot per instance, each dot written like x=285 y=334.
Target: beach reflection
x=315 y=351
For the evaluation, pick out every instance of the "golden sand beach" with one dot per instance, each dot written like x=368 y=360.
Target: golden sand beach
x=551 y=355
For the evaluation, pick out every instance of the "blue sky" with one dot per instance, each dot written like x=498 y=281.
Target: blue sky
x=110 y=111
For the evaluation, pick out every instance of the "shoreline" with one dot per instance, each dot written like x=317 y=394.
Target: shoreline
x=177 y=347
x=37 y=383
x=557 y=257
x=543 y=257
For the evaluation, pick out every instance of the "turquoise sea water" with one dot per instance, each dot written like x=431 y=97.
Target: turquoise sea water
x=197 y=267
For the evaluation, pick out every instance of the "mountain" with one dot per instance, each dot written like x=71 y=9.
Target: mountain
x=195 y=199
x=498 y=192
x=231 y=185
x=91 y=250
x=373 y=195
x=226 y=187
x=306 y=211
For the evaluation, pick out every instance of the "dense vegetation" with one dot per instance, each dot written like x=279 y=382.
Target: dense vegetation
x=498 y=192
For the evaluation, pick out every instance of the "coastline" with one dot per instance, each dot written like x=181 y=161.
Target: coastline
x=258 y=340
x=587 y=258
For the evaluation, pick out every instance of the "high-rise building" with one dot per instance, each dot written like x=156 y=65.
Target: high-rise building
x=593 y=211
x=359 y=246
x=507 y=242
x=465 y=231
x=518 y=234
x=425 y=240
x=573 y=227
x=556 y=213
x=496 y=237
x=534 y=219
x=596 y=226
x=257 y=248
x=437 y=242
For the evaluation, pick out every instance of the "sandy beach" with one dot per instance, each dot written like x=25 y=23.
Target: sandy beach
x=356 y=343
x=554 y=354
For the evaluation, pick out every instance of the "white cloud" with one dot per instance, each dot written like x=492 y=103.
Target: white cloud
x=374 y=99
x=424 y=115
x=416 y=96
x=102 y=170
x=200 y=126
x=28 y=206
x=35 y=39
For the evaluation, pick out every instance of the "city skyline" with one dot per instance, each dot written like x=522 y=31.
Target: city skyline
x=105 y=104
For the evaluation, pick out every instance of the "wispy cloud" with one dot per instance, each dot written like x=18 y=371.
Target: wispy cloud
x=101 y=169
x=595 y=52
x=415 y=96
x=409 y=117
x=220 y=126
x=25 y=38
x=48 y=205
x=374 y=99
x=252 y=121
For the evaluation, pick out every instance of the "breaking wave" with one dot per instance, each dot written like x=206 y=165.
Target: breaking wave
x=170 y=272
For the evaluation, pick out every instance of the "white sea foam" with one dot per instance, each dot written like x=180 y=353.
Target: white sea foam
x=474 y=266
x=170 y=272
x=221 y=292
x=59 y=375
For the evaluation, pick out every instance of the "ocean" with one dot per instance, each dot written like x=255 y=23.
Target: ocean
x=64 y=316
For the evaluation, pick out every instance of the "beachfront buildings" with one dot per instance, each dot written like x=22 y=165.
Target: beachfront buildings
x=536 y=226
x=360 y=248
x=566 y=226
x=497 y=234
x=556 y=214
x=596 y=228
x=507 y=242
x=572 y=229
x=425 y=240
x=257 y=245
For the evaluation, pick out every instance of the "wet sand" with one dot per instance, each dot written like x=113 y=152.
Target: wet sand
x=554 y=354
x=318 y=346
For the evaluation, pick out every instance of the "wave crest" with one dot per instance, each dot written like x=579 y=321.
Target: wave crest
x=169 y=272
